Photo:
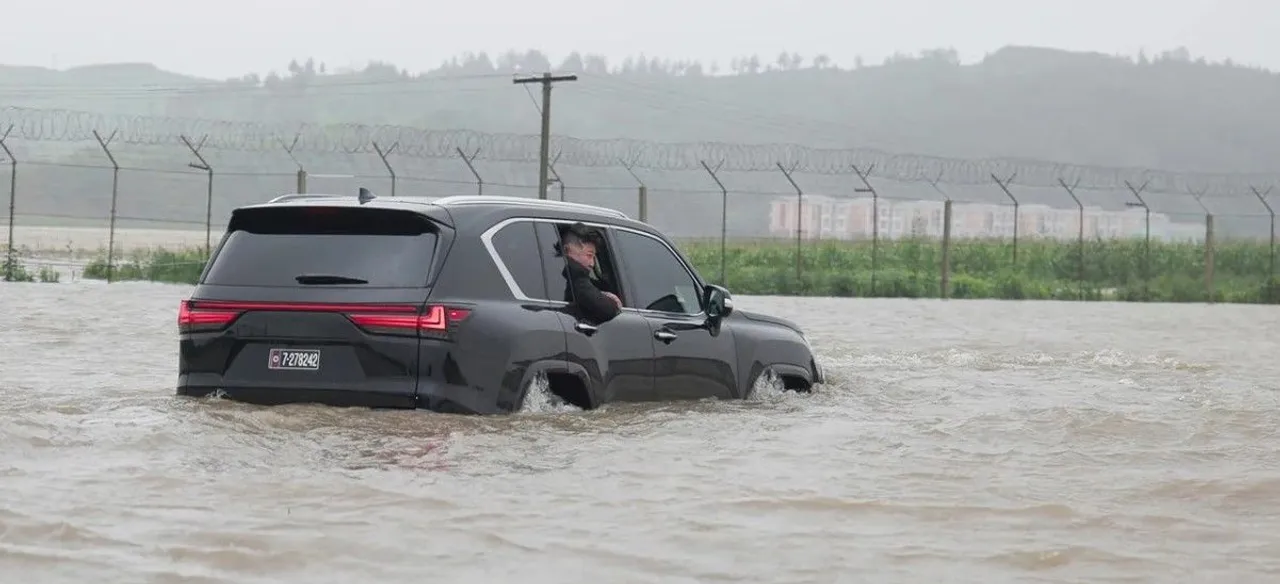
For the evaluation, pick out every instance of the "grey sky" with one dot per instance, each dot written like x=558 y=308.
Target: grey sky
x=232 y=37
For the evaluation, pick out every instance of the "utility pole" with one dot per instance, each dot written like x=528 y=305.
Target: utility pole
x=544 y=161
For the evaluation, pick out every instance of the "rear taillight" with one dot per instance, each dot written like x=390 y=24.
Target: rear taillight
x=394 y=319
x=436 y=321
x=192 y=318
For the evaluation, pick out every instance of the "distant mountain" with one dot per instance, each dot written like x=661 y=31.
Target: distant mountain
x=1169 y=111
x=122 y=88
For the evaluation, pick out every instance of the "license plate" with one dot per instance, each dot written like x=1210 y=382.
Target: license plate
x=294 y=359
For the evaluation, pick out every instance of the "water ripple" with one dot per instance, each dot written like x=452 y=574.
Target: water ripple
x=956 y=441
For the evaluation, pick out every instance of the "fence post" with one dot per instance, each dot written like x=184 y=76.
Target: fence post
x=468 y=161
x=724 y=216
x=301 y=186
x=875 y=218
x=1071 y=190
x=1208 y=243
x=946 y=198
x=946 y=249
x=1208 y=256
x=1004 y=186
x=1262 y=197
x=799 y=214
x=115 y=192
x=642 y=194
x=383 y=154
x=1146 y=246
x=10 y=263
x=208 y=201
x=642 y=202
x=551 y=168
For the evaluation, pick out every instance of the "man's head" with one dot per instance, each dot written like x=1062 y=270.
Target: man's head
x=579 y=243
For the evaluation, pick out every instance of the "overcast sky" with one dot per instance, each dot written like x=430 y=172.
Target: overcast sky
x=232 y=37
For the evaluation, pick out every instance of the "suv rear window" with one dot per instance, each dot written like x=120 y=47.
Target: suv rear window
x=271 y=246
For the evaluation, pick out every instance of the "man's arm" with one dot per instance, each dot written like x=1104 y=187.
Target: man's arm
x=593 y=303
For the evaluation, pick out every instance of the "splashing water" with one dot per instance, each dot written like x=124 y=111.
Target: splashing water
x=768 y=387
x=539 y=399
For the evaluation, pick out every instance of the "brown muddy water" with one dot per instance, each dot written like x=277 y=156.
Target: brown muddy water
x=956 y=441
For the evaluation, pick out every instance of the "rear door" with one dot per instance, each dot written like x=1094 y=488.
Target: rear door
x=690 y=362
x=316 y=300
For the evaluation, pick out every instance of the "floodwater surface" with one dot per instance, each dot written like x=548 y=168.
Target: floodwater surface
x=961 y=441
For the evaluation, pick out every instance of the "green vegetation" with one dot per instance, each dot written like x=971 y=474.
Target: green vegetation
x=12 y=270
x=175 y=266
x=1113 y=269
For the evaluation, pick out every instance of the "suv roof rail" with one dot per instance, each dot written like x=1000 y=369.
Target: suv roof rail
x=528 y=202
x=364 y=195
x=304 y=196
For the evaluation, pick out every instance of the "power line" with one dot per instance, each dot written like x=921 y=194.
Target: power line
x=218 y=89
x=52 y=125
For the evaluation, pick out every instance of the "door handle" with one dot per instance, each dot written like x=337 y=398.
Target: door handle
x=664 y=336
x=585 y=328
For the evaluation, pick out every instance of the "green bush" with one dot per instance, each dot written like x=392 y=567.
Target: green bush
x=12 y=270
x=180 y=266
x=48 y=275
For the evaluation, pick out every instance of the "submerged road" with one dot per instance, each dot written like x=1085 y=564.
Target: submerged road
x=956 y=442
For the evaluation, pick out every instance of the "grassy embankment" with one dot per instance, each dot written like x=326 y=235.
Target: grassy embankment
x=1113 y=269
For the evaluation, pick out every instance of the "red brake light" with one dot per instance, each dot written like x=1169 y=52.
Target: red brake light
x=212 y=315
x=399 y=319
x=435 y=321
x=438 y=318
x=192 y=318
x=385 y=321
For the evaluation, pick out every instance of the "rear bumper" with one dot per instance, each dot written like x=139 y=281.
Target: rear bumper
x=396 y=396
x=327 y=397
x=432 y=396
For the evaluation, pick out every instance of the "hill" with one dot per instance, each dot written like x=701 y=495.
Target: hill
x=1167 y=112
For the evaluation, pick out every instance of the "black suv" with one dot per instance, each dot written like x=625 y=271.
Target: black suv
x=455 y=305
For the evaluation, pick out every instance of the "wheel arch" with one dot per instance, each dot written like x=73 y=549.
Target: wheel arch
x=557 y=370
x=794 y=377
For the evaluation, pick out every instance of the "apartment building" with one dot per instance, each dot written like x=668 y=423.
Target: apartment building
x=823 y=217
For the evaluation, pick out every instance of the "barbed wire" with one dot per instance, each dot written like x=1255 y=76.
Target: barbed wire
x=61 y=125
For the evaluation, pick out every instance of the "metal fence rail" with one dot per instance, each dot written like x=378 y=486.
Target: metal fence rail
x=854 y=222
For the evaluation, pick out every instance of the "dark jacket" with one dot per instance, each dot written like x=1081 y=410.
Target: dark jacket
x=584 y=297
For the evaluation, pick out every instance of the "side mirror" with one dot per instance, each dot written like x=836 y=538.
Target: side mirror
x=718 y=302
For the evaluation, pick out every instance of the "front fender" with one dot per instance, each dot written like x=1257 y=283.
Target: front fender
x=763 y=344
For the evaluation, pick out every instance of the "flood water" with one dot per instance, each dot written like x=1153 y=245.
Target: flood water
x=961 y=441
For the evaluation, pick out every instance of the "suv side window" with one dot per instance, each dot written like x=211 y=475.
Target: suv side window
x=661 y=282
x=551 y=264
x=517 y=248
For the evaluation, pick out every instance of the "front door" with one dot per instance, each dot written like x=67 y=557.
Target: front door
x=690 y=362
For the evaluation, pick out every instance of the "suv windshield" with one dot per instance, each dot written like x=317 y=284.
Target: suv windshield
x=306 y=246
